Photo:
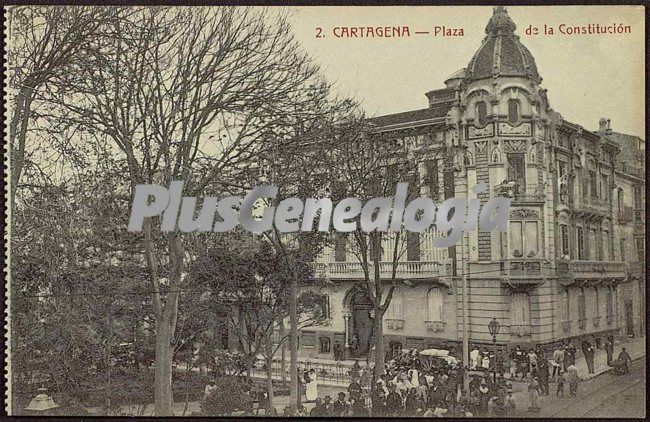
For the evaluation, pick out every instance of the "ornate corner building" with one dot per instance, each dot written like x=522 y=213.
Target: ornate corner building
x=572 y=264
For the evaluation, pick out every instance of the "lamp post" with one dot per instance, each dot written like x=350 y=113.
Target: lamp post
x=494 y=326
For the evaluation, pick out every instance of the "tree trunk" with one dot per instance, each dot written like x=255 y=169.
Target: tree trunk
x=18 y=135
x=283 y=365
x=269 y=377
x=163 y=370
x=378 y=332
x=293 y=320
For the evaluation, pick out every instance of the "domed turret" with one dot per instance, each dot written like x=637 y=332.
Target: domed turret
x=501 y=53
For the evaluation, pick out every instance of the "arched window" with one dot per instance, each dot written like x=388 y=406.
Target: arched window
x=481 y=113
x=513 y=112
x=435 y=303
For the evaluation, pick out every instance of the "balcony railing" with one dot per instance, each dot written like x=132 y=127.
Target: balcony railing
x=625 y=215
x=435 y=326
x=591 y=269
x=395 y=324
x=523 y=270
x=405 y=270
x=520 y=330
x=592 y=205
x=596 y=321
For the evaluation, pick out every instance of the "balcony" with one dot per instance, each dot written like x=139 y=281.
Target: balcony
x=520 y=330
x=435 y=326
x=395 y=324
x=592 y=206
x=594 y=270
x=523 y=271
x=566 y=326
x=596 y=321
x=582 y=324
x=411 y=270
x=625 y=215
x=630 y=169
x=521 y=194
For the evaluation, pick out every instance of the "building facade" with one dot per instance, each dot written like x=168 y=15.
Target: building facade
x=571 y=265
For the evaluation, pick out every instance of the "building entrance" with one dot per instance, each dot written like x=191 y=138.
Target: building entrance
x=362 y=324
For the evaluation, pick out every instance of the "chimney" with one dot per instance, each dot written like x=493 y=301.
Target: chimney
x=602 y=125
x=609 y=128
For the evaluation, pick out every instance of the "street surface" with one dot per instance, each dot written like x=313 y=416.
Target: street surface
x=606 y=396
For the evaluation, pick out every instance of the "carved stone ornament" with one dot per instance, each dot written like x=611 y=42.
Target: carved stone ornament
x=515 y=145
x=523 y=213
x=523 y=129
x=484 y=132
x=495 y=157
x=480 y=147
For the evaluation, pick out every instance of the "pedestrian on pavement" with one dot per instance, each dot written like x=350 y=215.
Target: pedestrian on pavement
x=340 y=406
x=532 y=360
x=509 y=407
x=311 y=385
x=572 y=377
x=609 y=349
x=393 y=401
x=589 y=357
x=355 y=389
x=623 y=359
x=543 y=376
x=571 y=352
x=558 y=360
x=560 y=384
x=533 y=391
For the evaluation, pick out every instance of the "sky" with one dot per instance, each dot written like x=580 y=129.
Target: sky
x=587 y=76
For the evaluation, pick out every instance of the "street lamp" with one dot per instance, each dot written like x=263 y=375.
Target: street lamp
x=494 y=326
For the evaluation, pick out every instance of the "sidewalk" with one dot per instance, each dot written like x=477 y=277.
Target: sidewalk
x=635 y=348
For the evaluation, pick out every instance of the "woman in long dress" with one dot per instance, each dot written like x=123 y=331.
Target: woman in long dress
x=311 y=386
x=533 y=391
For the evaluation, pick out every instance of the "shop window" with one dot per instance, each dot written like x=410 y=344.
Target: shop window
x=324 y=344
x=435 y=303
x=597 y=293
x=513 y=112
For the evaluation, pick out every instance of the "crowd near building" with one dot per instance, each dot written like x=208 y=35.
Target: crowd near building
x=570 y=267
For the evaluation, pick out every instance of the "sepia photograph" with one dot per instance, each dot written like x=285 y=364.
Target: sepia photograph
x=325 y=211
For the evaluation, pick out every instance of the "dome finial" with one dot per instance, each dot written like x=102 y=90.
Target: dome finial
x=500 y=22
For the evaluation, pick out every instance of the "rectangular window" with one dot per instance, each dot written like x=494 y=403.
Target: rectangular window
x=593 y=253
x=622 y=246
x=517 y=171
x=582 y=305
x=308 y=339
x=432 y=178
x=340 y=250
x=610 y=302
x=640 y=249
x=593 y=184
x=395 y=307
x=435 y=301
x=530 y=236
x=520 y=309
x=580 y=238
x=564 y=235
x=324 y=344
x=606 y=256
x=516 y=239
x=605 y=187
x=413 y=246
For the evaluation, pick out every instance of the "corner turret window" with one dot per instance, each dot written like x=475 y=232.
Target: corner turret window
x=513 y=112
x=481 y=113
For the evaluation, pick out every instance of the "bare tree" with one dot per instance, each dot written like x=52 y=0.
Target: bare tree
x=187 y=94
